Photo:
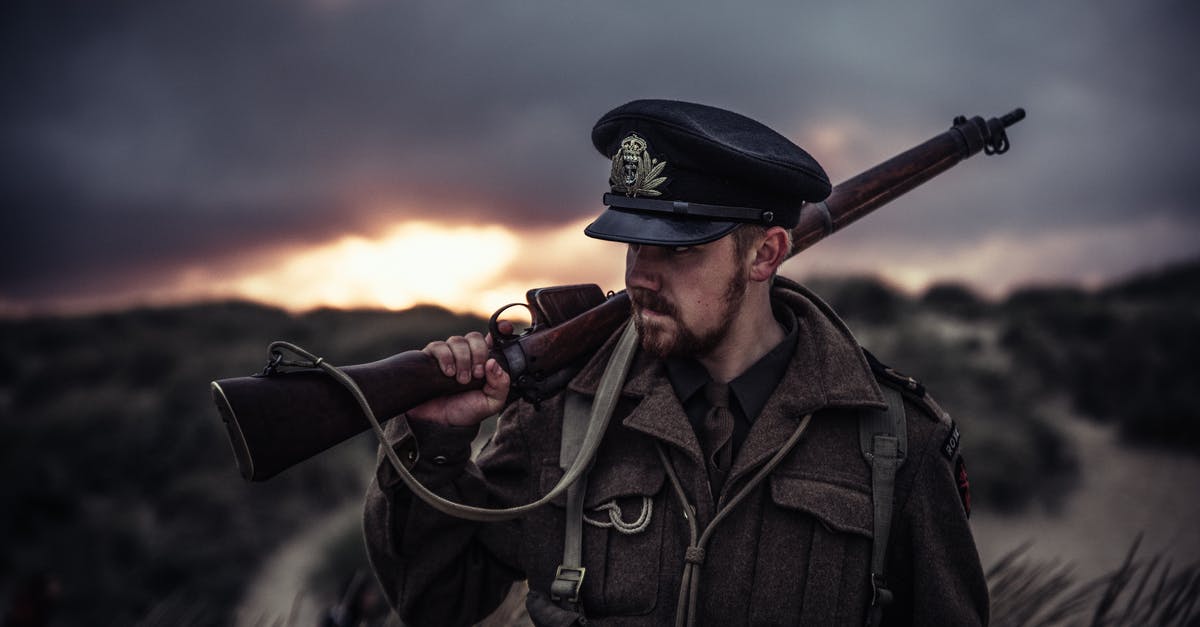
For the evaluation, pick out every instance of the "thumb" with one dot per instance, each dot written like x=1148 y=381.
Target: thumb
x=496 y=384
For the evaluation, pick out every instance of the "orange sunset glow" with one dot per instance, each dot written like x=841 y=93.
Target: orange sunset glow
x=479 y=268
x=463 y=268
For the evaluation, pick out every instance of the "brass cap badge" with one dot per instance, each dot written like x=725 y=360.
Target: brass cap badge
x=634 y=172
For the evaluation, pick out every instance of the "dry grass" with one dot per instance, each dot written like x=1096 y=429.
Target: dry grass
x=1029 y=592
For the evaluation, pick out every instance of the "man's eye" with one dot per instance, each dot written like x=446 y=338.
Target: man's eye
x=681 y=249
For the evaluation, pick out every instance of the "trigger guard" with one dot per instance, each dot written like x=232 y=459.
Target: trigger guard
x=494 y=323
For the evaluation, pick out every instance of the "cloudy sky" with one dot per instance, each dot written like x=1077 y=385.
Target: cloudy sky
x=382 y=153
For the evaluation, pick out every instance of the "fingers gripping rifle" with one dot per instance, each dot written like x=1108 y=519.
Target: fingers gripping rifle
x=293 y=410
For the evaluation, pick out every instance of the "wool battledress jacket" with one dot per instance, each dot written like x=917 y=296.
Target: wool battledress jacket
x=796 y=551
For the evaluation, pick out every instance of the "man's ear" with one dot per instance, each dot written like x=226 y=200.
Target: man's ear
x=770 y=253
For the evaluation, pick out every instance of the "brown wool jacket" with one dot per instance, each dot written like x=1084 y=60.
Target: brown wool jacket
x=796 y=551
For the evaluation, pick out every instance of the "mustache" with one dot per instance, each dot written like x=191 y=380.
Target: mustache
x=643 y=298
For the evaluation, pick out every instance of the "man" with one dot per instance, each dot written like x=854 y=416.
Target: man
x=731 y=487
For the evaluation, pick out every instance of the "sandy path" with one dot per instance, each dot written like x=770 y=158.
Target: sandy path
x=1122 y=491
x=279 y=594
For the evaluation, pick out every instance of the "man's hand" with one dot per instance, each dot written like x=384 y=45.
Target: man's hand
x=466 y=358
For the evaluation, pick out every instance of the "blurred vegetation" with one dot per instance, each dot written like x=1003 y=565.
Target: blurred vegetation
x=120 y=484
x=118 y=477
x=1125 y=354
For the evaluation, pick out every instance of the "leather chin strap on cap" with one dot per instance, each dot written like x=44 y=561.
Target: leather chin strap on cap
x=682 y=209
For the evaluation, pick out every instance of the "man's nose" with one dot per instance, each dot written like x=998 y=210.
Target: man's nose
x=641 y=267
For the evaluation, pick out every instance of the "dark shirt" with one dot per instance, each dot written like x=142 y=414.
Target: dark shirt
x=748 y=393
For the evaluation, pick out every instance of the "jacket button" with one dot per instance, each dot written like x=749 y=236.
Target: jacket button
x=440 y=460
x=408 y=453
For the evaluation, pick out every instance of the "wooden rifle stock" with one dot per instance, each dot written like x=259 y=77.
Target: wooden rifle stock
x=278 y=420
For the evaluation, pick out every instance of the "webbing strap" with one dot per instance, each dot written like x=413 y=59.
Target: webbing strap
x=569 y=577
x=883 y=439
x=578 y=425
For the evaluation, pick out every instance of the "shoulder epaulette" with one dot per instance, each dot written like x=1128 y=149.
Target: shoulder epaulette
x=912 y=389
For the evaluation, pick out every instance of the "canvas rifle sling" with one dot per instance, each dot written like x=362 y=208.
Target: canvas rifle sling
x=606 y=397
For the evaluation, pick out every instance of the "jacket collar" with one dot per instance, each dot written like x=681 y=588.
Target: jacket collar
x=827 y=371
x=658 y=412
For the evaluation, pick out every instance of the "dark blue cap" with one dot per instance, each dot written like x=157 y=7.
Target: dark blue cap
x=685 y=174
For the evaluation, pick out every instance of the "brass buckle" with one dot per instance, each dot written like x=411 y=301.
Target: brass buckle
x=567 y=576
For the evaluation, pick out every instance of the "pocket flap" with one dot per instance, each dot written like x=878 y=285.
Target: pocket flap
x=610 y=482
x=838 y=507
x=614 y=482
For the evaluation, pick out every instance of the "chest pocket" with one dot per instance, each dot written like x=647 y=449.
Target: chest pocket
x=819 y=534
x=623 y=559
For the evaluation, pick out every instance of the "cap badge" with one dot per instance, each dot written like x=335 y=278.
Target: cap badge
x=634 y=172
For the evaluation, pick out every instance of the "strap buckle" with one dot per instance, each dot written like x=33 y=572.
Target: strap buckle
x=880 y=594
x=568 y=581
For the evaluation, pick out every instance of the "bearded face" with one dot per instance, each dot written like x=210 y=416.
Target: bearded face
x=687 y=317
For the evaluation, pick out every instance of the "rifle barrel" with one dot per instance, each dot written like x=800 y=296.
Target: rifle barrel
x=866 y=192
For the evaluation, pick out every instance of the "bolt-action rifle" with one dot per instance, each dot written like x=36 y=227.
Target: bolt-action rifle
x=282 y=417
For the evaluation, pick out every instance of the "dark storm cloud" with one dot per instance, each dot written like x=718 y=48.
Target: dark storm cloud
x=139 y=136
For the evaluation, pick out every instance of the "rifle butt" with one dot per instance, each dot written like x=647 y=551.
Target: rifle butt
x=276 y=421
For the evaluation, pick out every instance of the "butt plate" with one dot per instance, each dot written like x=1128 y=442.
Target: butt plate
x=240 y=451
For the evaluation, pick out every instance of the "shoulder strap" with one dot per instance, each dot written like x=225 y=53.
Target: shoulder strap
x=883 y=440
x=568 y=579
x=578 y=415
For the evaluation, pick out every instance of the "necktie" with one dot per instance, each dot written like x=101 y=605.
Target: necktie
x=717 y=435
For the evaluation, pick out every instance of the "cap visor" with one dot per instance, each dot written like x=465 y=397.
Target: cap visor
x=655 y=230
